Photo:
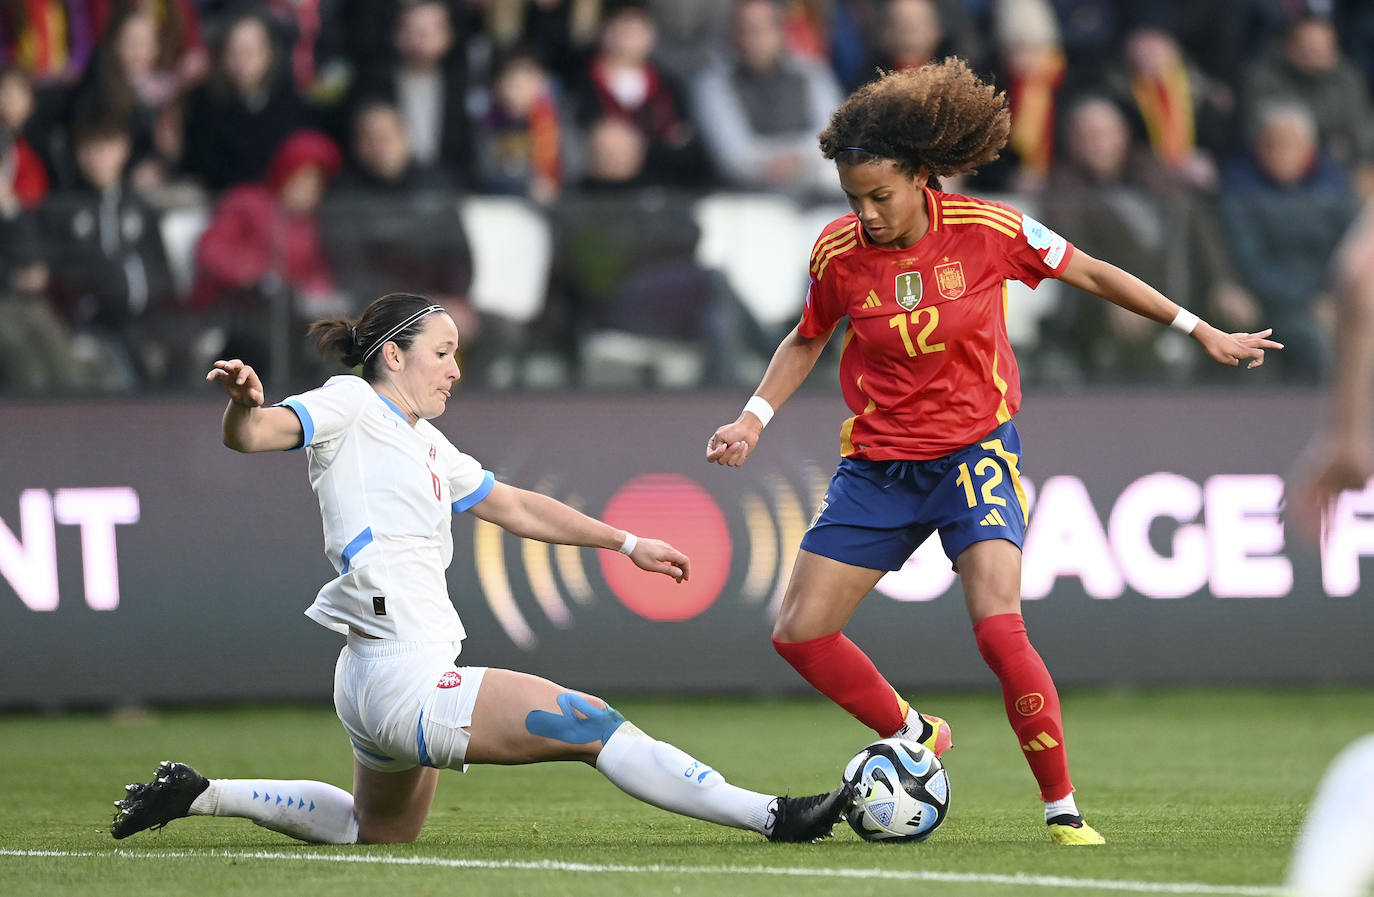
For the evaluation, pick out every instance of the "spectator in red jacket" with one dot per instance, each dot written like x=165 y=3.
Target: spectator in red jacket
x=24 y=172
x=263 y=248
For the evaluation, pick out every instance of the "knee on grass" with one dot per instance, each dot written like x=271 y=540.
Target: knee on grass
x=386 y=833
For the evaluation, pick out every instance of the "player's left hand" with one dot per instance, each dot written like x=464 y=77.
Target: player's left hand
x=1230 y=348
x=1328 y=466
x=659 y=557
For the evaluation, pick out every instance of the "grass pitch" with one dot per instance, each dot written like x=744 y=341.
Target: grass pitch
x=1197 y=792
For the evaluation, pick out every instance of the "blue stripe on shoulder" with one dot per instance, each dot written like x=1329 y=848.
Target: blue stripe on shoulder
x=307 y=423
x=360 y=541
x=482 y=491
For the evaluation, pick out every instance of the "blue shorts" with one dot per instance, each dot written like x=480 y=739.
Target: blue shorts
x=876 y=513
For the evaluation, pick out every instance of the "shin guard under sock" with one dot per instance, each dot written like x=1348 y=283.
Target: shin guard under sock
x=1031 y=700
x=838 y=669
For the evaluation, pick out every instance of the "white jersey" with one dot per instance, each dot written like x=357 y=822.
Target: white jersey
x=387 y=494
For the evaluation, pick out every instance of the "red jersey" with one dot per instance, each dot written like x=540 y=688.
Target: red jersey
x=927 y=366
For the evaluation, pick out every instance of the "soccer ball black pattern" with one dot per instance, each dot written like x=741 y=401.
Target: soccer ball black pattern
x=901 y=791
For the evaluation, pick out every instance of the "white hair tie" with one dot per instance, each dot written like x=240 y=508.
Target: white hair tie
x=399 y=327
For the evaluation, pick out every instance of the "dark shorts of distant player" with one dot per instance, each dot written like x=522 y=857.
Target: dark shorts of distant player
x=876 y=513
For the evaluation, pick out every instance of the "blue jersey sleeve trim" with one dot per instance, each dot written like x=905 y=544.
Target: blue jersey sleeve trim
x=307 y=423
x=360 y=541
x=476 y=495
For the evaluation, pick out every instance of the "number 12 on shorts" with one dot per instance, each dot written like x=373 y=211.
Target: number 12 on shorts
x=989 y=474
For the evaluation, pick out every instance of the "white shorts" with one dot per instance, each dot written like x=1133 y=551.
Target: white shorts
x=404 y=704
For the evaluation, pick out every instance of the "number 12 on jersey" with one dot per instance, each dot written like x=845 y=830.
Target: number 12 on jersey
x=927 y=319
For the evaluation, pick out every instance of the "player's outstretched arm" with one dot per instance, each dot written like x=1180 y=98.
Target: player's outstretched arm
x=248 y=426
x=1130 y=292
x=796 y=355
x=1341 y=454
x=533 y=515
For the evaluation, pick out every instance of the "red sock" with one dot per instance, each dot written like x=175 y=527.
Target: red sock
x=839 y=670
x=1031 y=700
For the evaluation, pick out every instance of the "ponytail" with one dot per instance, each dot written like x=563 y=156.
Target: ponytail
x=337 y=338
x=392 y=318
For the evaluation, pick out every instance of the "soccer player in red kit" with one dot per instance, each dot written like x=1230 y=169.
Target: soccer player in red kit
x=928 y=372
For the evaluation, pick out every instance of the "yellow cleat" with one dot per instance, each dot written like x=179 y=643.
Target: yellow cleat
x=1072 y=830
x=941 y=739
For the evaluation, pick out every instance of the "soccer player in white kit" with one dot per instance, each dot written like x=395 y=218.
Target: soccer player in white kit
x=388 y=483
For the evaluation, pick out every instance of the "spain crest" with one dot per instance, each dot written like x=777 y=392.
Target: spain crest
x=908 y=289
x=949 y=279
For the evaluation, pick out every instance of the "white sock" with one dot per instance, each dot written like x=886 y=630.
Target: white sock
x=915 y=728
x=1335 y=850
x=1065 y=806
x=310 y=811
x=660 y=774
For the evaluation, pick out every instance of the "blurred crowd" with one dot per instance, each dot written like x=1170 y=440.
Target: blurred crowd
x=188 y=179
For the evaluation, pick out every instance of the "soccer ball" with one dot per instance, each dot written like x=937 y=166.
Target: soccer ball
x=901 y=791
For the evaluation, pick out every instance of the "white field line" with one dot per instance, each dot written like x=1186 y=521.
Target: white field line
x=1011 y=881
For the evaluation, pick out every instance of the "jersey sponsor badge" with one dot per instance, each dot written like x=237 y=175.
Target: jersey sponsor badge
x=908 y=289
x=1050 y=245
x=949 y=279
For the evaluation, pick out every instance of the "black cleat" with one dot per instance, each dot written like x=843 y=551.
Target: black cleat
x=800 y=820
x=153 y=805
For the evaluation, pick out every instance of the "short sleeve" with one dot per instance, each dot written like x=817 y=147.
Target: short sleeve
x=468 y=483
x=327 y=410
x=1035 y=252
x=820 y=314
x=824 y=306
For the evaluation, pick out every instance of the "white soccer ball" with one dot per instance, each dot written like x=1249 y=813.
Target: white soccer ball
x=901 y=791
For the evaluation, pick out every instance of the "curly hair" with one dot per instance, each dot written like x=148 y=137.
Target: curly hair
x=941 y=117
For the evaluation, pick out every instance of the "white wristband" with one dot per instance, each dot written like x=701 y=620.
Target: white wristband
x=759 y=407
x=1184 y=320
x=628 y=546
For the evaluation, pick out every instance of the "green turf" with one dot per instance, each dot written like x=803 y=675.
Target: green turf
x=1188 y=787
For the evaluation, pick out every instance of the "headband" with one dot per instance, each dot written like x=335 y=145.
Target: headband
x=399 y=327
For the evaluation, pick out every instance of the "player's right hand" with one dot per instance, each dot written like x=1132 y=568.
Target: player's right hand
x=732 y=443
x=1232 y=348
x=240 y=381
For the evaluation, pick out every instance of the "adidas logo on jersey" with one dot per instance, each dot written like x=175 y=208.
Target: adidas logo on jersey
x=872 y=301
x=994 y=518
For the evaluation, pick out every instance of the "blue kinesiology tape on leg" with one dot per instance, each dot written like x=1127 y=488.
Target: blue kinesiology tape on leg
x=581 y=721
